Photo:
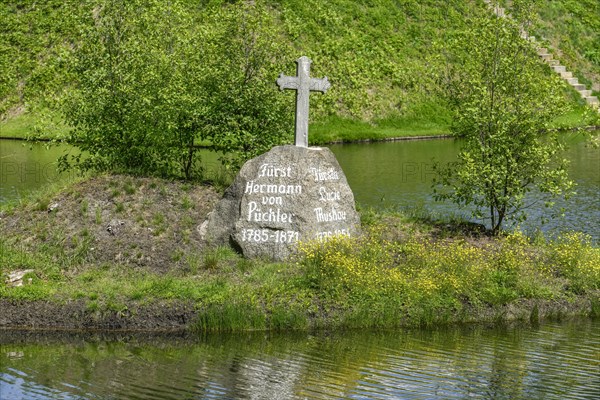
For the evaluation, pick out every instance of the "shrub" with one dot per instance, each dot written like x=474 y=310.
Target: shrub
x=153 y=78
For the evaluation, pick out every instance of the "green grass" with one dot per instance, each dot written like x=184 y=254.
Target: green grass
x=336 y=129
x=579 y=117
x=330 y=130
x=34 y=126
x=573 y=28
x=376 y=54
x=431 y=120
x=17 y=127
x=383 y=279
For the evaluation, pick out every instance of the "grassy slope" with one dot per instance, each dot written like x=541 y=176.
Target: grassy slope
x=571 y=28
x=374 y=53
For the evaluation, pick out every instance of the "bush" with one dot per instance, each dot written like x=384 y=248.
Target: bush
x=504 y=98
x=152 y=79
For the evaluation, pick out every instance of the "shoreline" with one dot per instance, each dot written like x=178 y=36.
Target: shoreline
x=390 y=139
x=181 y=317
x=590 y=128
x=124 y=253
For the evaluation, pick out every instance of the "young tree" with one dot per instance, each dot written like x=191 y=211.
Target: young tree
x=248 y=115
x=154 y=78
x=504 y=98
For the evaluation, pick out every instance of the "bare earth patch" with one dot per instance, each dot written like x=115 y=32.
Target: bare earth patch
x=140 y=222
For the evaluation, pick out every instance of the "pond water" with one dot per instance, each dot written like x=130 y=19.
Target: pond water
x=26 y=167
x=382 y=175
x=553 y=361
x=400 y=175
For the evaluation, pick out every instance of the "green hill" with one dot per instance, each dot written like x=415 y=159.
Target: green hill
x=376 y=53
x=571 y=28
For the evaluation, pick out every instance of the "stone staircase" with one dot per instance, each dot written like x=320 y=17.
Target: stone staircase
x=586 y=94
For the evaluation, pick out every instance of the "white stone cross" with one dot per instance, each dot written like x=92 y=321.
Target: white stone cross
x=303 y=84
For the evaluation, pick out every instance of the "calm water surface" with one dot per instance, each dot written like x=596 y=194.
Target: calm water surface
x=398 y=174
x=26 y=167
x=554 y=361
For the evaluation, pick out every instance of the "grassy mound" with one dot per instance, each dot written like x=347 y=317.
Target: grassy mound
x=123 y=252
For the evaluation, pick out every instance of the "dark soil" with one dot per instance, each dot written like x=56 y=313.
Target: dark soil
x=144 y=223
x=75 y=316
x=180 y=316
x=141 y=222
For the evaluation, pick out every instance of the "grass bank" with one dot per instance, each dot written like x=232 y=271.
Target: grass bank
x=431 y=121
x=117 y=252
x=377 y=55
x=44 y=125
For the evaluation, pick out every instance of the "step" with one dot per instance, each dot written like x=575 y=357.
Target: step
x=524 y=34
x=579 y=86
x=553 y=63
x=572 y=81
x=591 y=100
x=559 y=69
x=585 y=93
x=546 y=57
x=542 y=50
x=566 y=75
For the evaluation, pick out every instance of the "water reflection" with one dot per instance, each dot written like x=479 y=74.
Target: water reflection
x=555 y=361
x=26 y=167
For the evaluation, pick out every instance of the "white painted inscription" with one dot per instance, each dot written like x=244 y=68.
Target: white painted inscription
x=328 y=195
x=252 y=188
x=329 y=174
x=268 y=235
x=269 y=201
x=283 y=197
x=329 y=216
x=327 y=234
x=272 y=171
x=257 y=214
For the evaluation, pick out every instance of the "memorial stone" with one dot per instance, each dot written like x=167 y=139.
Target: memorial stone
x=286 y=195
x=289 y=194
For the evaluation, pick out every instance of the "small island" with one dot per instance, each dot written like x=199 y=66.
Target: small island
x=118 y=252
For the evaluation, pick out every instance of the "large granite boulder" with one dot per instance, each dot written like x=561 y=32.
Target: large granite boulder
x=284 y=196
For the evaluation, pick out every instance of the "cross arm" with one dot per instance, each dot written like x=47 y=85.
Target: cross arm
x=287 y=82
x=319 y=85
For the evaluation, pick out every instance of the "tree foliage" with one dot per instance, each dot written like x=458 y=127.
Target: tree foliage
x=374 y=52
x=247 y=115
x=503 y=97
x=152 y=79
